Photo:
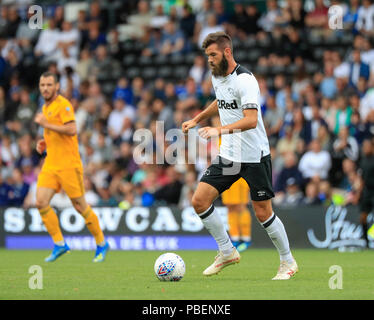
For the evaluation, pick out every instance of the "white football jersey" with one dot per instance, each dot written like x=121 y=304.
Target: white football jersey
x=236 y=92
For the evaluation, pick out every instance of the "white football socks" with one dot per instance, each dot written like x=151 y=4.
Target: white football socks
x=216 y=228
x=277 y=233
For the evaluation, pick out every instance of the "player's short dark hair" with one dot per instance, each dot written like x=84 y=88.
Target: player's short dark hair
x=47 y=74
x=222 y=39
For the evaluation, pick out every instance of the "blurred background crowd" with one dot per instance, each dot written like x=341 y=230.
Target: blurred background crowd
x=126 y=64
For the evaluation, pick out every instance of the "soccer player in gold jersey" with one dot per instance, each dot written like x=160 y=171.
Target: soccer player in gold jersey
x=62 y=168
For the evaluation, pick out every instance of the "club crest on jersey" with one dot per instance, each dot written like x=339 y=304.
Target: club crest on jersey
x=222 y=104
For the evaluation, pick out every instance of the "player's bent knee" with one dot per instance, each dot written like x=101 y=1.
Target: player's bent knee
x=263 y=209
x=41 y=204
x=199 y=203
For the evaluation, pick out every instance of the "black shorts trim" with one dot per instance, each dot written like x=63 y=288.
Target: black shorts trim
x=257 y=175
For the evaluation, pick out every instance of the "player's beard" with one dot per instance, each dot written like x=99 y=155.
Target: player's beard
x=220 y=69
x=50 y=97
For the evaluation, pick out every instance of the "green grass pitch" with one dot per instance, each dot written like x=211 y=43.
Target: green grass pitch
x=129 y=275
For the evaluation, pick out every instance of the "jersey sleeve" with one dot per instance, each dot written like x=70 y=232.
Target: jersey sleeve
x=67 y=113
x=248 y=91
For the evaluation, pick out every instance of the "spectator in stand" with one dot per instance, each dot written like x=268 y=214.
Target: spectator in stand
x=140 y=20
x=294 y=195
x=19 y=189
x=365 y=19
x=189 y=186
x=171 y=192
x=328 y=85
x=103 y=63
x=238 y=21
x=345 y=146
x=119 y=118
x=315 y=163
x=317 y=19
x=311 y=194
x=123 y=91
x=25 y=113
x=273 y=120
x=97 y=16
x=268 y=19
x=366 y=104
x=252 y=26
x=199 y=70
x=351 y=15
x=5 y=192
x=288 y=143
x=296 y=14
x=68 y=39
x=367 y=56
x=357 y=69
x=163 y=113
x=13 y=22
x=343 y=114
x=220 y=12
x=290 y=170
x=187 y=22
x=160 y=18
x=302 y=127
x=154 y=45
x=95 y=38
x=173 y=40
x=210 y=27
x=84 y=64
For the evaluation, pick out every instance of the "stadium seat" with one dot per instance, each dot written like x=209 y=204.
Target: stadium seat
x=176 y=59
x=108 y=87
x=132 y=72
x=250 y=43
x=314 y=39
x=241 y=55
x=311 y=67
x=165 y=71
x=128 y=46
x=189 y=58
x=129 y=59
x=148 y=73
x=160 y=59
x=318 y=53
x=254 y=54
x=291 y=69
x=332 y=39
x=181 y=72
x=260 y=69
x=145 y=61
x=264 y=43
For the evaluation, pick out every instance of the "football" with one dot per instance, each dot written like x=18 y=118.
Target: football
x=169 y=267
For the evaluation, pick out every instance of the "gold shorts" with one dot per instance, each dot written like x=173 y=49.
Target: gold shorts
x=70 y=180
x=238 y=193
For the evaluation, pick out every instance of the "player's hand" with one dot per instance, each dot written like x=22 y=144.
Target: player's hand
x=208 y=132
x=40 y=119
x=187 y=125
x=41 y=146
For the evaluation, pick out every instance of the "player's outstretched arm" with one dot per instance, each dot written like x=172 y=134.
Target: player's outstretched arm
x=68 y=128
x=209 y=112
x=249 y=121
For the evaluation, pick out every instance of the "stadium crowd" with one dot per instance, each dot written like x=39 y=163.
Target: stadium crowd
x=316 y=82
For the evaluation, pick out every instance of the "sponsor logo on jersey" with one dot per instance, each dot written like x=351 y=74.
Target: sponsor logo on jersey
x=222 y=104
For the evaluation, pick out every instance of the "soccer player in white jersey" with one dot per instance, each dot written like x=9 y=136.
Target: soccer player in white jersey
x=244 y=152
